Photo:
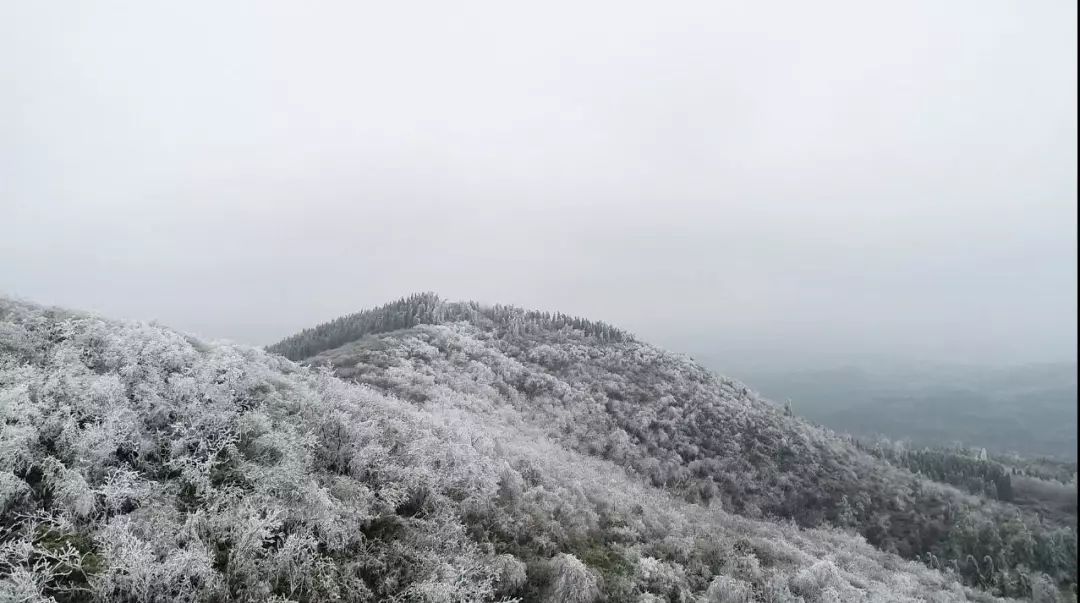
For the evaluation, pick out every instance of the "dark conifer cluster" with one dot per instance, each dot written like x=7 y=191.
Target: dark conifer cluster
x=429 y=308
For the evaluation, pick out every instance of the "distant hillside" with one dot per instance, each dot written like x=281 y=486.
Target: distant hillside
x=1029 y=409
x=710 y=440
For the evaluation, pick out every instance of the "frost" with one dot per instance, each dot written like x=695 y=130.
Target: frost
x=471 y=454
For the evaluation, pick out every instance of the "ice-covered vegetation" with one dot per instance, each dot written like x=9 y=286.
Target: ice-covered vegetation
x=1043 y=486
x=139 y=464
x=709 y=440
x=428 y=308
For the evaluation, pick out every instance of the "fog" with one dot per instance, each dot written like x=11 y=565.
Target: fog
x=782 y=182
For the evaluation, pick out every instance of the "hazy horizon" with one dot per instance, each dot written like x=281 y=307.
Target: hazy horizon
x=813 y=186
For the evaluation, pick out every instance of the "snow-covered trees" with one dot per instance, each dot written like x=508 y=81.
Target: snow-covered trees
x=571 y=581
x=138 y=464
x=669 y=421
x=192 y=472
x=429 y=308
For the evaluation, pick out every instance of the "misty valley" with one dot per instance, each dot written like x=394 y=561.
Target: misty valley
x=1025 y=410
x=431 y=450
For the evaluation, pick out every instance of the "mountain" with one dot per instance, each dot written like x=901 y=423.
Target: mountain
x=437 y=451
x=709 y=440
x=1025 y=409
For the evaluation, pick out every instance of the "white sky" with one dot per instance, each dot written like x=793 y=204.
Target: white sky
x=785 y=180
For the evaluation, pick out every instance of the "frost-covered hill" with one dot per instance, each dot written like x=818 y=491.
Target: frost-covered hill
x=139 y=464
x=600 y=392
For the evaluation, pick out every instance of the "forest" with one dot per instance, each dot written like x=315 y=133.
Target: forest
x=445 y=451
x=714 y=440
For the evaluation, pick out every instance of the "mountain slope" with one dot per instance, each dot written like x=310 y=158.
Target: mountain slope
x=138 y=464
x=709 y=440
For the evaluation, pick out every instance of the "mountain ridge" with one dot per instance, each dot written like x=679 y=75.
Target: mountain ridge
x=763 y=452
x=427 y=308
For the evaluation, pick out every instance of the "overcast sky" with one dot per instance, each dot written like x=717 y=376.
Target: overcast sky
x=767 y=181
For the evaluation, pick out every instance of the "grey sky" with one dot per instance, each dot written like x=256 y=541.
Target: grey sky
x=783 y=180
